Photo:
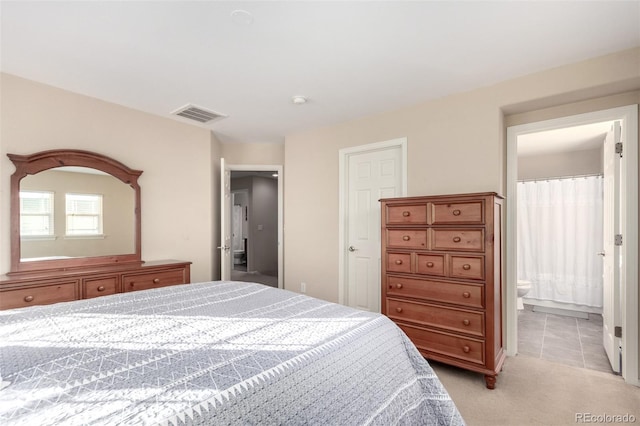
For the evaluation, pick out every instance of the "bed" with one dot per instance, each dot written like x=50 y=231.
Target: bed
x=213 y=353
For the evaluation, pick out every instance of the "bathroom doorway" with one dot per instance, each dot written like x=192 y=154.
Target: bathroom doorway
x=568 y=166
x=559 y=238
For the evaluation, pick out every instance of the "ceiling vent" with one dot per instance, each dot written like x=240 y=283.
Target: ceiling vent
x=198 y=114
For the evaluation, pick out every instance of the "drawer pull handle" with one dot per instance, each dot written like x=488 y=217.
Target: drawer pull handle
x=398 y=310
x=456 y=239
x=456 y=212
x=466 y=266
x=406 y=213
x=466 y=349
x=101 y=288
x=406 y=238
x=28 y=299
x=398 y=262
x=156 y=280
x=398 y=285
x=429 y=264
x=466 y=322
x=466 y=295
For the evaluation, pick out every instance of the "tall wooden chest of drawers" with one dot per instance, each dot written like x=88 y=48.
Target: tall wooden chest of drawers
x=442 y=277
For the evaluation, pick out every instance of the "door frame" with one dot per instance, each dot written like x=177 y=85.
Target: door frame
x=629 y=224
x=280 y=170
x=343 y=202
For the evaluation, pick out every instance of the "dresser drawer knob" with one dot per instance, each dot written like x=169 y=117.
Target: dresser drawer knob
x=28 y=299
x=466 y=266
x=406 y=238
x=406 y=213
x=456 y=239
x=456 y=212
x=429 y=264
x=466 y=349
x=398 y=285
x=398 y=310
x=398 y=262
x=101 y=288
x=466 y=322
x=466 y=295
x=156 y=280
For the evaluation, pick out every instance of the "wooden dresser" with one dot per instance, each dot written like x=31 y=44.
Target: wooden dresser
x=46 y=287
x=441 y=277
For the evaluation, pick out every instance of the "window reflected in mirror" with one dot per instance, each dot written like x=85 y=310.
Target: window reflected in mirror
x=70 y=212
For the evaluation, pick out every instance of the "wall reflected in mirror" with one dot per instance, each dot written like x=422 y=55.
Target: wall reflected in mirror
x=71 y=212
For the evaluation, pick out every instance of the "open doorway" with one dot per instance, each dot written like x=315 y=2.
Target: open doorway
x=560 y=244
x=620 y=302
x=254 y=226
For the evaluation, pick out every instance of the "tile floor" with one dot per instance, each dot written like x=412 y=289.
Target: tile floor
x=563 y=339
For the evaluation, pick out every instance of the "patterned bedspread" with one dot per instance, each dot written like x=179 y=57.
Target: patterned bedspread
x=213 y=354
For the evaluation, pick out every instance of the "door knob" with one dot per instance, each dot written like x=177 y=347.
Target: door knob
x=352 y=248
x=225 y=248
x=601 y=254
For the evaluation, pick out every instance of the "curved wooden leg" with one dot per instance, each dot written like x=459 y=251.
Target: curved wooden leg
x=490 y=381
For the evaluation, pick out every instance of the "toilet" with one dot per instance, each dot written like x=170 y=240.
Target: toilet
x=523 y=289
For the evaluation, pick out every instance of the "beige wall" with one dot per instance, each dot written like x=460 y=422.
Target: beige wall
x=455 y=144
x=573 y=163
x=268 y=154
x=175 y=158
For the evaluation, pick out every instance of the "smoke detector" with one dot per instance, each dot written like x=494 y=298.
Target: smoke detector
x=299 y=100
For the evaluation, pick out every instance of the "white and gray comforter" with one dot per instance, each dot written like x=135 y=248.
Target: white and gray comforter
x=213 y=354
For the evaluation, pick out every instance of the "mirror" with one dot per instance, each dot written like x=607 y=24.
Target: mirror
x=72 y=208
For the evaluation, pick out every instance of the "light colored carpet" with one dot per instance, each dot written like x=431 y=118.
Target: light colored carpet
x=533 y=391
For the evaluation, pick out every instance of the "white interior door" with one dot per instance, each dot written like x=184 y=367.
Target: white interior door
x=611 y=309
x=225 y=221
x=371 y=175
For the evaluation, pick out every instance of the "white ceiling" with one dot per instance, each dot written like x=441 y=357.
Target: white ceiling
x=578 y=138
x=351 y=59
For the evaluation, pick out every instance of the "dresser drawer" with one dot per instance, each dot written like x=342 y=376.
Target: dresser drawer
x=458 y=239
x=407 y=238
x=471 y=267
x=154 y=279
x=412 y=214
x=430 y=264
x=101 y=286
x=39 y=295
x=399 y=262
x=457 y=320
x=431 y=341
x=470 y=295
x=445 y=213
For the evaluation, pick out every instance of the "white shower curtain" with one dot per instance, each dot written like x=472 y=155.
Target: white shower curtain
x=559 y=236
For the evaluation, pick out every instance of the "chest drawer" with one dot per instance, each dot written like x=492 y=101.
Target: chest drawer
x=154 y=279
x=407 y=238
x=430 y=264
x=458 y=239
x=445 y=213
x=439 y=291
x=437 y=316
x=411 y=214
x=446 y=344
x=399 y=262
x=471 y=267
x=39 y=295
x=95 y=287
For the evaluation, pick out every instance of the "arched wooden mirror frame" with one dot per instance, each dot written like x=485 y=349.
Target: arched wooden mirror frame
x=45 y=160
